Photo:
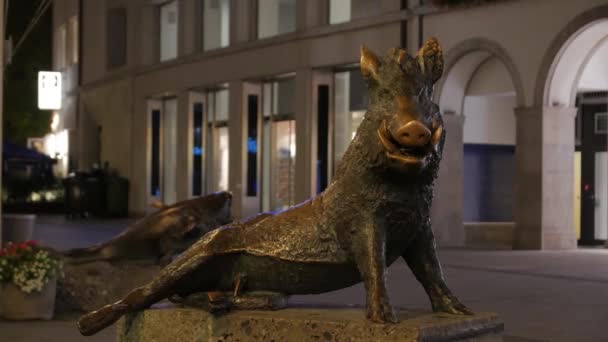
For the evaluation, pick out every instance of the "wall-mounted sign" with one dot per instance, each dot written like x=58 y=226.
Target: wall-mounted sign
x=49 y=90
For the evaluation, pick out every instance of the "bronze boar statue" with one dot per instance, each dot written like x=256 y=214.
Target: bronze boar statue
x=163 y=234
x=376 y=210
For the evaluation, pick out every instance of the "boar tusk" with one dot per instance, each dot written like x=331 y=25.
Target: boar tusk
x=436 y=136
x=382 y=131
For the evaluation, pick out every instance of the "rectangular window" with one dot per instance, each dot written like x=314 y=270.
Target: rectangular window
x=339 y=11
x=217 y=140
x=279 y=145
x=276 y=17
x=116 y=37
x=350 y=103
x=74 y=39
x=216 y=24
x=197 y=149
x=168 y=31
x=61 y=48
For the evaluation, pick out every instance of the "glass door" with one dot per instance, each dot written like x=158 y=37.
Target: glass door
x=155 y=150
x=196 y=146
x=279 y=145
x=350 y=103
x=163 y=141
x=217 y=143
x=593 y=113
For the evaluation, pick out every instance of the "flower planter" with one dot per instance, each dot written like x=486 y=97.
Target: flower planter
x=18 y=305
x=17 y=227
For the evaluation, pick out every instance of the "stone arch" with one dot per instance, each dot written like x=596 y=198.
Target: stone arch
x=556 y=83
x=465 y=58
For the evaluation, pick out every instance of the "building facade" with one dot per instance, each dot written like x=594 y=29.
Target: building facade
x=187 y=97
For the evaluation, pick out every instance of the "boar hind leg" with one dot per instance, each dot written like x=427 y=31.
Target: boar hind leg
x=422 y=260
x=170 y=281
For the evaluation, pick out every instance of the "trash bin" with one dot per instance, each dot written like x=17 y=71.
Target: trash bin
x=95 y=195
x=117 y=196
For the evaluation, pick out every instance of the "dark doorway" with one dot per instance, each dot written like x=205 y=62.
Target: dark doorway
x=591 y=128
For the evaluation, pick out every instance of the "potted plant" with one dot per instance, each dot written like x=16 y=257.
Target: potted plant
x=28 y=281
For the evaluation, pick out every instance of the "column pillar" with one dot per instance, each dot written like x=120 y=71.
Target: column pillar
x=236 y=139
x=183 y=144
x=243 y=21
x=544 y=180
x=304 y=138
x=139 y=178
x=448 y=208
x=190 y=36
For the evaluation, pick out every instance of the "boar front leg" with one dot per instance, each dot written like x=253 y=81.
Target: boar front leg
x=368 y=249
x=422 y=260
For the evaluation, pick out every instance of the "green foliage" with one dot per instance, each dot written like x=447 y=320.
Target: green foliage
x=22 y=118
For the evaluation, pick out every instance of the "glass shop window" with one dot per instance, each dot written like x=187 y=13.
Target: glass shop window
x=216 y=24
x=217 y=140
x=168 y=30
x=276 y=17
x=350 y=103
x=279 y=144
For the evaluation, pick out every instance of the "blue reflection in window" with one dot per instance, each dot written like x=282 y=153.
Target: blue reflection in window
x=252 y=145
x=197 y=151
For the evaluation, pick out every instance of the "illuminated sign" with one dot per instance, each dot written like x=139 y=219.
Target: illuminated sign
x=49 y=90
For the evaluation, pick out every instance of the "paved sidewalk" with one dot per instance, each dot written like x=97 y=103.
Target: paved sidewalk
x=541 y=296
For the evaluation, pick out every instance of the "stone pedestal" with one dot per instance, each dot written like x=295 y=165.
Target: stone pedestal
x=544 y=205
x=303 y=324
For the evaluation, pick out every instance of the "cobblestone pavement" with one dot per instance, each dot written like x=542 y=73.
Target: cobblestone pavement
x=541 y=296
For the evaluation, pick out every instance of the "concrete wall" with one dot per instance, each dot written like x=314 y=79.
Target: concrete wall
x=108 y=107
x=489 y=119
x=594 y=76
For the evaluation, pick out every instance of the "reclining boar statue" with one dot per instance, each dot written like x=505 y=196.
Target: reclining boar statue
x=158 y=237
x=376 y=210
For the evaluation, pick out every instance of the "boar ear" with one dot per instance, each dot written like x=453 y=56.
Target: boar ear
x=395 y=54
x=369 y=64
x=430 y=59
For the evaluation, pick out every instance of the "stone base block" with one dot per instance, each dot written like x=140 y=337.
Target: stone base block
x=303 y=324
x=491 y=235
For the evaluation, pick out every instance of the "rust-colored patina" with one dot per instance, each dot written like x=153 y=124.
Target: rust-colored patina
x=160 y=236
x=375 y=210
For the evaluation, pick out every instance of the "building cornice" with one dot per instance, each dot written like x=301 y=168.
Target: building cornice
x=298 y=36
